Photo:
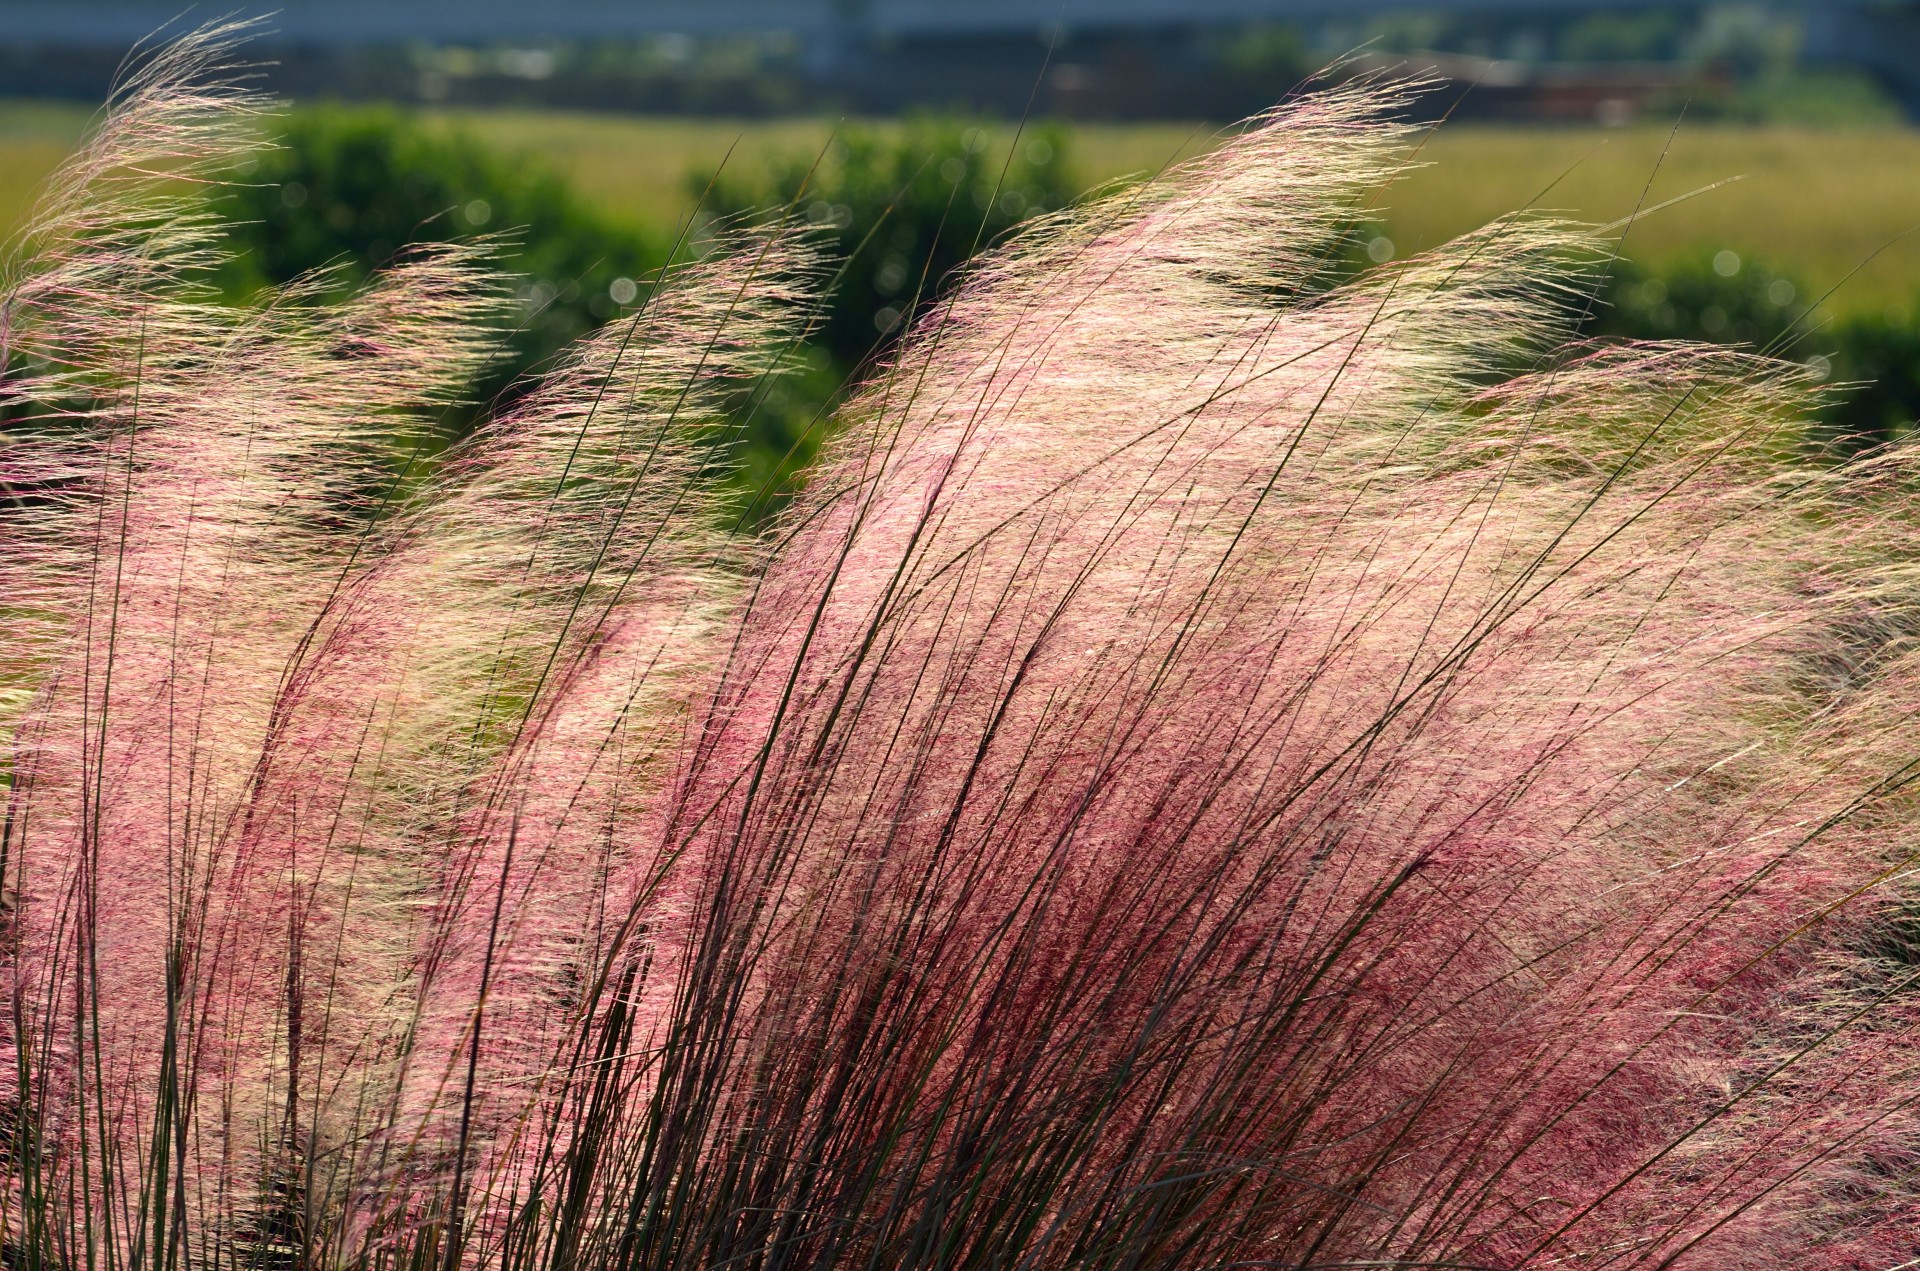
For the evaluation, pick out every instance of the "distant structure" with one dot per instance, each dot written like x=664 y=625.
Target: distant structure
x=828 y=20
x=355 y=21
x=1883 y=39
x=1102 y=57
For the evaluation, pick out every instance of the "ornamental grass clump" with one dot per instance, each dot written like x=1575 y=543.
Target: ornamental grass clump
x=1226 y=763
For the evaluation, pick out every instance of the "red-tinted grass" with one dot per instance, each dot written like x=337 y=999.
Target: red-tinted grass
x=1226 y=764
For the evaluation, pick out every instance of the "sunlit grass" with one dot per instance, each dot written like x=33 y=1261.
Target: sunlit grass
x=1225 y=763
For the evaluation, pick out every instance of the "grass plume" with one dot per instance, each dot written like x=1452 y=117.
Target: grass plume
x=1225 y=764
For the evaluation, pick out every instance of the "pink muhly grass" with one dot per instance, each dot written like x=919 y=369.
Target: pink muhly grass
x=1224 y=765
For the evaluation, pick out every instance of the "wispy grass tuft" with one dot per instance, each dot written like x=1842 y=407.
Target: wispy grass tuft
x=1224 y=765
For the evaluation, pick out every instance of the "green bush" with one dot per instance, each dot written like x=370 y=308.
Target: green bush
x=1721 y=298
x=1643 y=36
x=1878 y=356
x=350 y=187
x=1794 y=96
x=899 y=210
x=1255 y=67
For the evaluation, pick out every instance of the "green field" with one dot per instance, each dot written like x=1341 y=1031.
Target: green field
x=1819 y=203
x=33 y=138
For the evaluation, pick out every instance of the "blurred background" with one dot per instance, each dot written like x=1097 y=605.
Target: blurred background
x=605 y=135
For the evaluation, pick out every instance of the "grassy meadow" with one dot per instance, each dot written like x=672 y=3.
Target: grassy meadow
x=1818 y=203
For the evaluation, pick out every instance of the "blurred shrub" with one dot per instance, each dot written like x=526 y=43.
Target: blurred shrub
x=1751 y=69
x=1747 y=40
x=1880 y=355
x=1718 y=297
x=1643 y=36
x=1723 y=299
x=1255 y=67
x=1793 y=96
x=350 y=187
x=899 y=210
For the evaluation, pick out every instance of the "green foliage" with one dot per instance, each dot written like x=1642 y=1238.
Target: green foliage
x=1724 y=299
x=1747 y=40
x=1407 y=32
x=1718 y=297
x=1793 y=97
x=1257 y=65
x=1879 y=356
x=350 y=187
x=900 y=210
x=1648 y=35
x=1753 y=73
x=897 y=211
